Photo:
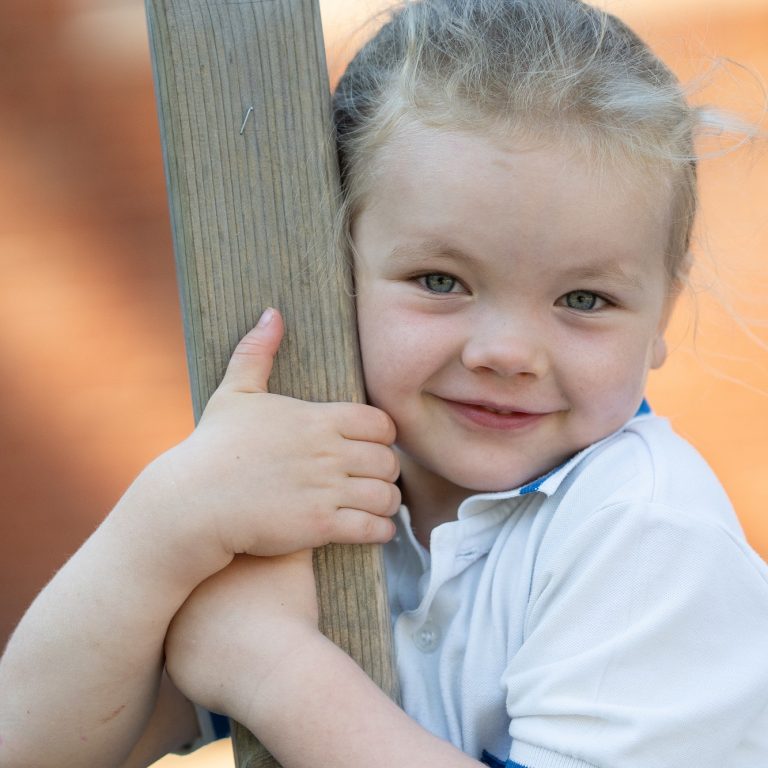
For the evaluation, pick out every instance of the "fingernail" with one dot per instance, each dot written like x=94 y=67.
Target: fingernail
x=266 y=318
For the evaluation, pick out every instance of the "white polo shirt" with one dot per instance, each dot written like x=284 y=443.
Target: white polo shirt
x=610 y=614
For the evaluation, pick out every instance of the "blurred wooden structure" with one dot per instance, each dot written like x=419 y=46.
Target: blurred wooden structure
x=244 y=102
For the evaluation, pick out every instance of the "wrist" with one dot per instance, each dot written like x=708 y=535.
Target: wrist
x=153 y=531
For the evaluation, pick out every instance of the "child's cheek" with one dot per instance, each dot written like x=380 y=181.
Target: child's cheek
x=604 y=383
x=387 y=348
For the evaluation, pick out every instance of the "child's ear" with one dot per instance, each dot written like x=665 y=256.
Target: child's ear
x=659 y=349
x=659 y=352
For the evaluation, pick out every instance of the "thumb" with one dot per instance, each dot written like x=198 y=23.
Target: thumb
x=251 y=362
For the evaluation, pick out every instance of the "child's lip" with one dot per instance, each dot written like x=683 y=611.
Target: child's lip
x=494 y=415
x=501 y=408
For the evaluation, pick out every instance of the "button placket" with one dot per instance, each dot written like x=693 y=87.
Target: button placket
x=427 y=637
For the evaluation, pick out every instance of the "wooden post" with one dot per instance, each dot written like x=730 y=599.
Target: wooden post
x=243 y=99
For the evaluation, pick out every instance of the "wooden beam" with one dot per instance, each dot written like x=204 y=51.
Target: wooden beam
x=244 y=109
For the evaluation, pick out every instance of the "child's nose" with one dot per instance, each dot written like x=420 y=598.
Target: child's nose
x=506 y=348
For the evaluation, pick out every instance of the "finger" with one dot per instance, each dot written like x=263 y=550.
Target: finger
x=364 y=459
x=353 y=526
x=357 y=421
x=373 y=496
x=251 y=362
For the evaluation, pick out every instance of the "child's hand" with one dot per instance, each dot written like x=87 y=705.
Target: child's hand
x=239 y=626
x=265 y=474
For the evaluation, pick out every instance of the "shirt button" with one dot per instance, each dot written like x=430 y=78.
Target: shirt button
x=427 y=636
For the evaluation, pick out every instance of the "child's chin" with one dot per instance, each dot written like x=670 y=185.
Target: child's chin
x=495 y=479
x=495 y=482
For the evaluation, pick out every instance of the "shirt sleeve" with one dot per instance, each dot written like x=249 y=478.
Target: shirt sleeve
x=644 y=646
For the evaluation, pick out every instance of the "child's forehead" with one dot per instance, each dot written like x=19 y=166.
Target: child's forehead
x=418 y=151
x=420 y=139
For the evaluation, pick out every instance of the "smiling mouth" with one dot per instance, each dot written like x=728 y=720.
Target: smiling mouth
x=496 y=410
x=492 y=416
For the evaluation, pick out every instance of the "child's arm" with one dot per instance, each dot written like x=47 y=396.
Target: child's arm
x=261 y=474
x=304 y=698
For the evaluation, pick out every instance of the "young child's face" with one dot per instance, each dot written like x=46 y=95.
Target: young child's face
x=510 y=304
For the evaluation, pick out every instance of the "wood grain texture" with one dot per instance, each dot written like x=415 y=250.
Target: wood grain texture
x=252 y=217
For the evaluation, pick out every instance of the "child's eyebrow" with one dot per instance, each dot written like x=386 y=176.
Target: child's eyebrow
x=429 y=248
x=608 y=270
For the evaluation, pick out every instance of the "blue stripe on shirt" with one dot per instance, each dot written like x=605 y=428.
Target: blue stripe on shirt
x=494 y=762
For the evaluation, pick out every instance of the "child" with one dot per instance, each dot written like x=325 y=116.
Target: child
x=569 y=585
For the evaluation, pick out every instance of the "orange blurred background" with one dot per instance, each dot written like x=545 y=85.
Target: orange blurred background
x=93 y=377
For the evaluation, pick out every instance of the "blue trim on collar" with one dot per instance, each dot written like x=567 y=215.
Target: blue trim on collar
x=644 y=409
x=536 y=484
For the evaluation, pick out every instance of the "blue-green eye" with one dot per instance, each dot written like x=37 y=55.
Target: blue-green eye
x=438 y=283
x=583 y=301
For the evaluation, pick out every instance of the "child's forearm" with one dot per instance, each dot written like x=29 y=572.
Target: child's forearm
x=79 y=677
x=320 y=708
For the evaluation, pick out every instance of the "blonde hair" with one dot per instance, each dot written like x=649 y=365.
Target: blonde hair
x=541 y=69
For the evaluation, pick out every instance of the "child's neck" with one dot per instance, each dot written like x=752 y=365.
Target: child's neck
x=431 y=500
